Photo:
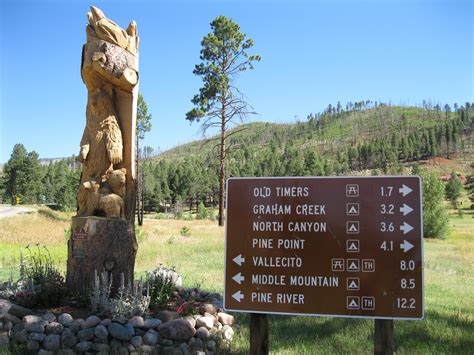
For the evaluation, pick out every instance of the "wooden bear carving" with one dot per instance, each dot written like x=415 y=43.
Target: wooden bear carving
x=101 y=148
x=105 y=199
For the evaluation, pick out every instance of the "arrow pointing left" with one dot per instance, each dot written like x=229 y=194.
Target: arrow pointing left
x=238 y=278
x=238 y=296
x=239 y=260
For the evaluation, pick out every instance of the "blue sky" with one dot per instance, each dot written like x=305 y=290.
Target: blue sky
x=313 y=53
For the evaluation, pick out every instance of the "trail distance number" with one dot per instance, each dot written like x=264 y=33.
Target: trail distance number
x=407 y=284
x=387 y=209
x=407 y=265
x=406 y=303
x=387 y=227
x=386 y=191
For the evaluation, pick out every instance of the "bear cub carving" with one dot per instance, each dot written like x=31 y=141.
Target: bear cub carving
x=106 y=199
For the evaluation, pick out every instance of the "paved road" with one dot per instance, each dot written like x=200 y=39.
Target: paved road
x=8 y=211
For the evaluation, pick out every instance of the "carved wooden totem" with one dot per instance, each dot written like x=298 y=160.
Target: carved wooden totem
x=103 y=236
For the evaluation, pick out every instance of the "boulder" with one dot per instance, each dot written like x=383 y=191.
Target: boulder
x=52 y=342
x=65 y=319
x=177 y=329
x=120 y=332
x=225 y=319
x=90 y=322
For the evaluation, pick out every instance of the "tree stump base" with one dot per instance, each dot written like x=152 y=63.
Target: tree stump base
x=100 y=244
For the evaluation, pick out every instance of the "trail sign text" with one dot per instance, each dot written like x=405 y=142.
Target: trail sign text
x=336 y=246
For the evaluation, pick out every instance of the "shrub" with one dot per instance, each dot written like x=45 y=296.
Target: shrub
x=453 y=189
x=212 y=214
x=202 y=211
x=40 y=282
x=185 y=232
x=435 y=217
x=161 y=282
x=128 y=302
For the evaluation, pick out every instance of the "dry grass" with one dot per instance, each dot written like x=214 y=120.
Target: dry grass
x=198 y=257
x=31 y=229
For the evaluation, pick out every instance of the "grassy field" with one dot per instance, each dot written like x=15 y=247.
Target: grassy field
x=198 y=256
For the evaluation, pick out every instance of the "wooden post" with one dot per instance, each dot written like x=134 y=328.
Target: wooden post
x=383 y=337
x=258 y=334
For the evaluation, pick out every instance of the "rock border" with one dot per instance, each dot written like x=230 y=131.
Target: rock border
x=208 y=332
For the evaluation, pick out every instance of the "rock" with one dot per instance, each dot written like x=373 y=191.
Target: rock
x=45 y=352
x=131 y=328
x=225 y=319
x=184 y=349
x=130 y=348
x=7 y=325
x=83 y=346
x=199 y=352
x=191 y=320
x=196 y=344
x=6 y=307
x=33 y=345
x=136 y=341
x=137 y=322
x=39 y=337
x=66 y=352
x=32 y=319
x=4 y=339
x=177 y=329
x=76 y=325
x=21 y=336
x=68 y=339
x=150 y=338
x=54 y=328
x=102 y=348
x=207 y=322
x=166 y=316
x=227 y=333
x=106 y=322
x=49 y=317
x=202 y=333
x=151 y=323
x=36 y=327
x=18 y=327
x=12 y=318
x=52 y=342
x=207 y=308
x=120 y=332
x=90 y=322
x=65 y=319
x=85 y=334
x=101 y=332
x=140 y=332
x=211 y=345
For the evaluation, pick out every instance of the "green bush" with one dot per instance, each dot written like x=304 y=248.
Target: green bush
x=185 y=232
x=201 y=212
x=435 y=217
x=160 y=284
x=40 y=282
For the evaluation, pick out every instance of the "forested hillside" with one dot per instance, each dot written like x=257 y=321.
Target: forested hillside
x=361 y=136
x=372 y=137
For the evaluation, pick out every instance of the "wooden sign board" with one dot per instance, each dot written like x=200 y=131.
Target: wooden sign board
x=329 y=246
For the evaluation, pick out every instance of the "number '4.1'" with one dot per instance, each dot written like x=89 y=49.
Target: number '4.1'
x=387 y=245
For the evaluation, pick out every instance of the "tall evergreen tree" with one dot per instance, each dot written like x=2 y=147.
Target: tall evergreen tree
x=143 y=126
x=219 y=102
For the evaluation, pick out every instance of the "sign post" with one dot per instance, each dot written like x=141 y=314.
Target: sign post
x=325 y=246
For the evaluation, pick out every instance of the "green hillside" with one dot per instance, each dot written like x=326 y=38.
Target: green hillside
x=365 y=138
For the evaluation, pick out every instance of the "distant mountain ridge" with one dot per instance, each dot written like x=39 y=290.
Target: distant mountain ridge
x=332 y=132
